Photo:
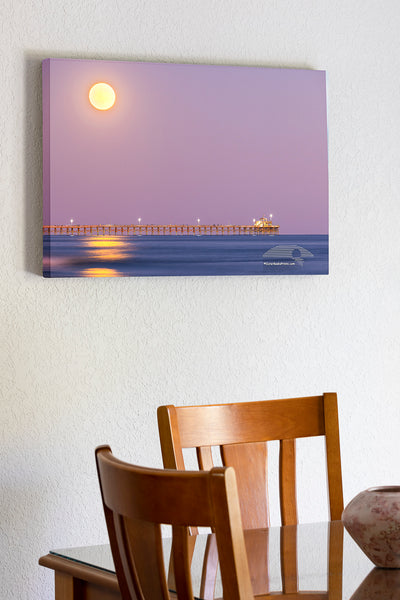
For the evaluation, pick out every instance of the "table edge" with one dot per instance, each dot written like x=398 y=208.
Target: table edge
x=80 y=571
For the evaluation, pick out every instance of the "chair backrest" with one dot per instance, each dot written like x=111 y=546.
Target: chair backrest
x=138 y=500
x=242 y=431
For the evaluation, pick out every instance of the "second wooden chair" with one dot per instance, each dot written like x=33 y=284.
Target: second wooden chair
x=242 y=431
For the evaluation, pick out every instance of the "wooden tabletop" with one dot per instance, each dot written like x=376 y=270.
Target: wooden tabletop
x=317 y=561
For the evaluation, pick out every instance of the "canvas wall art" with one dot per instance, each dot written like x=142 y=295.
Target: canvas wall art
x=155 y=169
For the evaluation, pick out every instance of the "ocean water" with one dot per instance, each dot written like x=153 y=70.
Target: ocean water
x=151 y=255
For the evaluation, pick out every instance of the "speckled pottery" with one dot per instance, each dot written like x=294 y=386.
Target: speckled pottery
x=372 y=519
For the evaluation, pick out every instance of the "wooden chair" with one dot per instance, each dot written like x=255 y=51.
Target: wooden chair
x=137 y=500
x=242 y=431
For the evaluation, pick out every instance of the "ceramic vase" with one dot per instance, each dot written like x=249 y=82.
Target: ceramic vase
x=372 y=519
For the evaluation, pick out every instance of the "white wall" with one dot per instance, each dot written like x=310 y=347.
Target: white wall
x=87 y=361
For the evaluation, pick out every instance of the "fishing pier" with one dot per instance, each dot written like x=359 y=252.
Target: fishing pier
x=255 y=229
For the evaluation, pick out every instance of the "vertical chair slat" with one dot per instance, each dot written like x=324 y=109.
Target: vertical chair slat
x=204 y=458
x=210 y=568
x=250 y=464
x=289 y=560
x=141 y=551
x=287 y=481
x=257 y=548
x=182 y=558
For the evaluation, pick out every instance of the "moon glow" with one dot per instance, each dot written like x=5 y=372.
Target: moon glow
x=102 y=96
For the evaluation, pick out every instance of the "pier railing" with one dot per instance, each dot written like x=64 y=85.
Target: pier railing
x=159 y=230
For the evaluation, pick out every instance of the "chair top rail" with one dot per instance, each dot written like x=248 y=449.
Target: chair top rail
x=244 y=422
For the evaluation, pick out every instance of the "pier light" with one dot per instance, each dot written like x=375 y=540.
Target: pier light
x=139 y=219
x=254 y=221
x=198 y=221
x=270 y=216
x=71 y=221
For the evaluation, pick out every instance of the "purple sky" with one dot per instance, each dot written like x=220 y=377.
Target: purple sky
x=221 y=144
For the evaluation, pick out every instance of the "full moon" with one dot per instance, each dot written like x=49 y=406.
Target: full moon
x=102 y=96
